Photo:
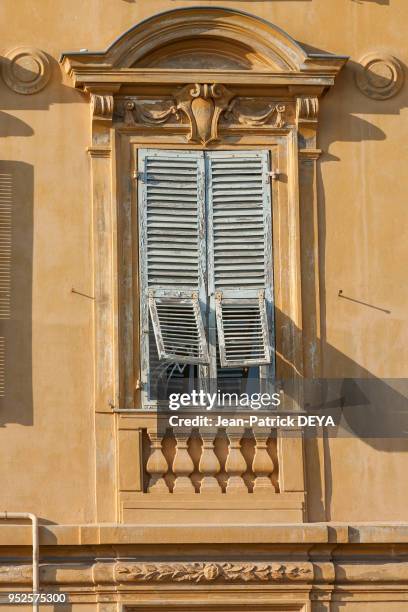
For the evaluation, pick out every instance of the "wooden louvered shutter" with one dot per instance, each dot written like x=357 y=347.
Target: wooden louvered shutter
x=240 y=255
x=173 y=258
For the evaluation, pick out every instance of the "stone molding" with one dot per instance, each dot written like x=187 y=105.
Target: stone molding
x=300 y=534
x=385 y=569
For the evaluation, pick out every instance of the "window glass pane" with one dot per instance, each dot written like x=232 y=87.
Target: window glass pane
x=237 y=380
x=167 y=378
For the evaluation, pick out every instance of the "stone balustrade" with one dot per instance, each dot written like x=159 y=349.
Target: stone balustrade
x=232 y=461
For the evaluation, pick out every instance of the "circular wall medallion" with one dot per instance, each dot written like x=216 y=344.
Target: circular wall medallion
x=379 y=76
x=26 y=70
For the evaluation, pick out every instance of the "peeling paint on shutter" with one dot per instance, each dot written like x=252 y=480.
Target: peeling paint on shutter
x=178 y=329
x=240 y=255
x=173 y=266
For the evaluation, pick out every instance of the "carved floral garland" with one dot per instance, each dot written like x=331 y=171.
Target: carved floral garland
x=210 y=572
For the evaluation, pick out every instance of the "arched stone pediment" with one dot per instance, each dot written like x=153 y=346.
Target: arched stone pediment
x=208 y=39
x=228 y=33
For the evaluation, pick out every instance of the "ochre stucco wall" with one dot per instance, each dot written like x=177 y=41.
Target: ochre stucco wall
x=46 y=435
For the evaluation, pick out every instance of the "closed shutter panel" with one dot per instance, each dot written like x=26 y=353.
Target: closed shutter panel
x=241 y=255
x=173 y=259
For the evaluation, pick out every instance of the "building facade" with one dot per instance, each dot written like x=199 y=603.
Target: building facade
x=174 y=174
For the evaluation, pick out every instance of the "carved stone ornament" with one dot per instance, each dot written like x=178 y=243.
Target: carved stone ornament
x=26 y=70
x=236 y=113
x=204 y=112
x=202 y=105
x=379 y=76
x=211 y=572
x=307 y=109
x=153 y=113
x=102 y=107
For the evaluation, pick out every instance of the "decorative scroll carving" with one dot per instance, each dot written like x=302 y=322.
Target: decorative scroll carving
x=210 y=572
x=235 y=113
x=379 y=76
x=102 y=107
x=307 y=109
x=26 y=70
x=152 y=114
x=202 y=105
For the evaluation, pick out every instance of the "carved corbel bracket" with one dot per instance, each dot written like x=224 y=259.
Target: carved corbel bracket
x=307 y=111
x=102 y=107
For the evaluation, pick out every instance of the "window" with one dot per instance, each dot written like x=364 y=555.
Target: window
x=206 y=271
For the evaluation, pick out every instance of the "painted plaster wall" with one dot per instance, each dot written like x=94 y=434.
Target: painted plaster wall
x=46 y=449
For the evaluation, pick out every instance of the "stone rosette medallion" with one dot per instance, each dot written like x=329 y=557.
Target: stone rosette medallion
x=26 y=70
x=379 y=76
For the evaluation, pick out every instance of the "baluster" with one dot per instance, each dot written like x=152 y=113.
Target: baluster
x=235 y=465
x=209 y=465
x=157 y=465
x=183 y=465
x=262 y=465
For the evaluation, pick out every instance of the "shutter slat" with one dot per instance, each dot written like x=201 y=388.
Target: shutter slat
x=240 y=234
x=173 y=256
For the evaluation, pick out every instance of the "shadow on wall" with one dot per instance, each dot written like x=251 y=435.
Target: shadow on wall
x=16 y=242
x=54 y=92
x=16 y=257
x=339 y=109
x=340 y=125
x=384 y=407
x=382 y=2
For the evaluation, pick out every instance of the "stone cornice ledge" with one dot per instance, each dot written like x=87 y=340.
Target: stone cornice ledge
x=303 y=535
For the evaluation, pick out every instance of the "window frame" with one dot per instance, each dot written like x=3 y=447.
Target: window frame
x=207 y=374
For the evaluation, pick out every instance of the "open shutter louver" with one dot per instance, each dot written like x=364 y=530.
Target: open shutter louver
x=240 y=260
x=172 y=231
x=242 y=332
x=179 y=329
